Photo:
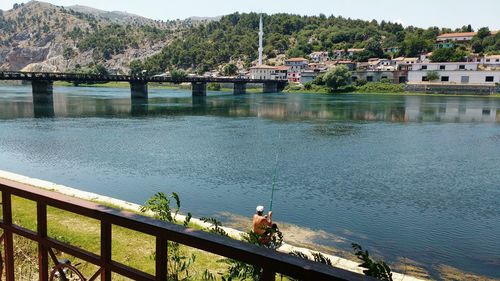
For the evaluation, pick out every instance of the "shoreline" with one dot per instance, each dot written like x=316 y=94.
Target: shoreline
x=122 y=85
x=235 y=234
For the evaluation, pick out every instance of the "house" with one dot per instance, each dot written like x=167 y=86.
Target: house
x=310 y=75
x=405 y=64
x=281 y=72
x=493 y=60
x=297 y=65
x=377 y=76
x=456 y=37
x=319 y=57
x=350 y=64
x=349 y=53
x=262 y=72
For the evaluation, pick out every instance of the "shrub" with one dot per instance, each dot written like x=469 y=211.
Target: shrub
x=378 y=87
x=214 y=87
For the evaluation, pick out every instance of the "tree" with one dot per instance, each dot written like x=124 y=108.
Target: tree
x=178 y=74
x=337 y=77
x=483 y=33
x=432 y=75
x=136 y=67
x=375 y=48
x=414 y=45
x=230 y=69
x=448 y=54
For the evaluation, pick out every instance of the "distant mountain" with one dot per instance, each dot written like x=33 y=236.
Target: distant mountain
x=113 y=16
x=39 y=36
x=204 y=19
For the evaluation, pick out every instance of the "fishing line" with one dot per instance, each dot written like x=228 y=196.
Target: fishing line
x=275 y=173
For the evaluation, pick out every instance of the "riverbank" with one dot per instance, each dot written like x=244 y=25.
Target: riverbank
x=129 y=247
x=151 y=86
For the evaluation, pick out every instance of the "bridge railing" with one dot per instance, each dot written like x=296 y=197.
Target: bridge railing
x=270 y=261
x=79 y=77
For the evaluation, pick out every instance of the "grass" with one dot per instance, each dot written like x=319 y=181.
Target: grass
x=128 y=247
x=150 y=85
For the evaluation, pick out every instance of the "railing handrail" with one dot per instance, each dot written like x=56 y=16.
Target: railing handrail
x=271 y=261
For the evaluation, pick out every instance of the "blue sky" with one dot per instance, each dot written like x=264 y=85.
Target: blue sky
x=422 y=13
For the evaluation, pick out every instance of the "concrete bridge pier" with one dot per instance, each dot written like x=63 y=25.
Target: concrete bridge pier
x=42 y=92
x=199 y=89
x=270 y=87
x=139 y=89
x=240 y=88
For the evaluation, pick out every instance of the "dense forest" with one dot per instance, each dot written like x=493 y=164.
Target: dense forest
x=234 y=38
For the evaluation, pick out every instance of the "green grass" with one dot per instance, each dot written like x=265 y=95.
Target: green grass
x=128 y=247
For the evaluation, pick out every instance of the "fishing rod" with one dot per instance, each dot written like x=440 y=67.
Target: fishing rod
x=275 y=174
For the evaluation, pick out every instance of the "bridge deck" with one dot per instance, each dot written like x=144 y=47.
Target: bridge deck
x=90 y=78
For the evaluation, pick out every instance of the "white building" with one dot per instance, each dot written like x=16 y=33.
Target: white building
x=263 y=72
x=456 y=37
x=319 y=56
x=493 y=60
x=346 y=53
x=457 y=77
x=472 y=66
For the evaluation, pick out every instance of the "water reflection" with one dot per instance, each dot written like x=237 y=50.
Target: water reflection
x=276 y=107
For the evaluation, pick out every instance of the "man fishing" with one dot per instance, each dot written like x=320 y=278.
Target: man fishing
x=263 y=226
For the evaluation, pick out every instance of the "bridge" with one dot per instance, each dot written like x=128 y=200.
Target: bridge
x=42 y=82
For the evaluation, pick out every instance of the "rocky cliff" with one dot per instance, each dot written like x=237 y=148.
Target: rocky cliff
x=38 y=36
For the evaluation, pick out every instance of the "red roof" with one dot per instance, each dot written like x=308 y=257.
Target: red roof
x=282 y=67
x=296 y=59
x=457 y=34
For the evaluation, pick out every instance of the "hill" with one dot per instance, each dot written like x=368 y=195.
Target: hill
x=39 y=36
x=234 y=39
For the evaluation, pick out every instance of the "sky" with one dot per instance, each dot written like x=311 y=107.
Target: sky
x=421 y=13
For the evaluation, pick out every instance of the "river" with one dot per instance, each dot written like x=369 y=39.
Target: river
x=405 y=176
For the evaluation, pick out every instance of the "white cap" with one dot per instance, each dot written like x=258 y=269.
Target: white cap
x=260 y=208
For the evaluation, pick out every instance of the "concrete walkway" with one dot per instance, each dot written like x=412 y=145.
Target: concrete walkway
x=236 y=234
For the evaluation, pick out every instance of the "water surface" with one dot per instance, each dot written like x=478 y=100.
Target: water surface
x=406 y=176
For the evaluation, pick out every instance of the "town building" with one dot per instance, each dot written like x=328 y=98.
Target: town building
x=281 y=72
x=349 y=53
x=457 y=77
x=470 y=66
x=297 y=65
x=319 y=57
x=459 y=37
x=456 y=37
x=492 y=60
x=395 y=77
x=263 y=72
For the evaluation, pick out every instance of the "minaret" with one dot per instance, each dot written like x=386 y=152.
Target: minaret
x=261 y=36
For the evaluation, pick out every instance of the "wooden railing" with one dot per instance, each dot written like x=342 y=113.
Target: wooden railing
x=270 y=261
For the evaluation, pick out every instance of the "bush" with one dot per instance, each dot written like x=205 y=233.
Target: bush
x=178 y=74
x=432 y=75
x=360 y=82
x=214 y=87
x=379 y=87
